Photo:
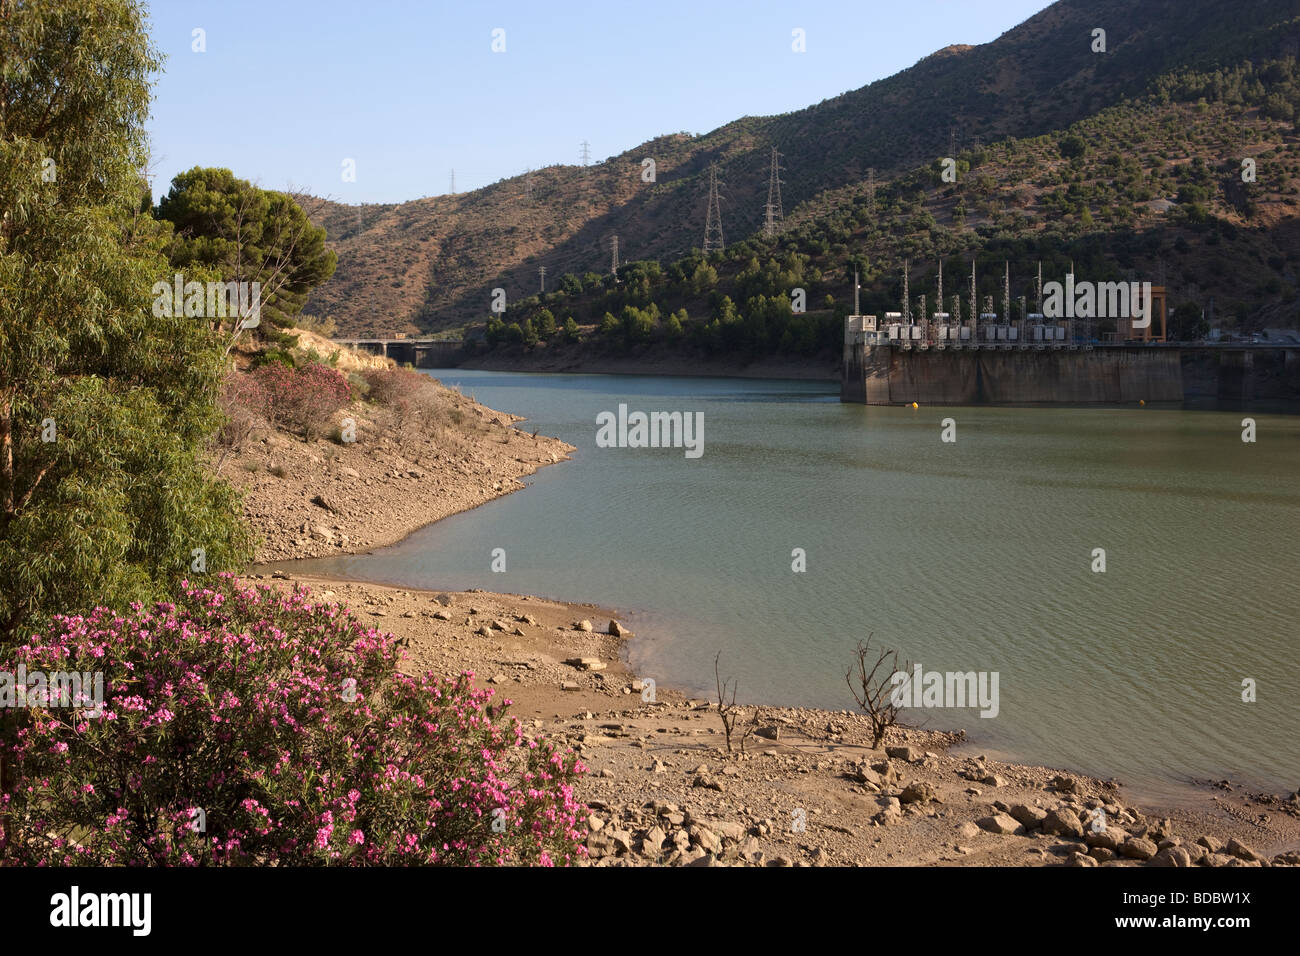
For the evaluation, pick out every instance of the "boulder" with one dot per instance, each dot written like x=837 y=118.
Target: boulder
x=868 y=776
x=1107 y=839
x=583 y=625
x=1030 y=817
x=1242 y=852
x=1171 y=856
x=910 y=754
x=618 y=630
x=1064 y=822
x=729 y=830
x=1137 y=848
x=653 y=841
x=917 y=792
x=1000 y=823
x=706 y=839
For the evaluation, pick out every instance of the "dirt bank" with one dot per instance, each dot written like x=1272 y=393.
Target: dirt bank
x=325 y=497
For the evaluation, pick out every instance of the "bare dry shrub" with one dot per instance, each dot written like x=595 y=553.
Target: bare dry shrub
x=872 y=690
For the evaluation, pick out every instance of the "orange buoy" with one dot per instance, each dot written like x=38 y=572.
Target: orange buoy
x=1142 y=401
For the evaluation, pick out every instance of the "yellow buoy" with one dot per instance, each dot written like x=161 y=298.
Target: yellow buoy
x=1142 y=401
x=914 y=405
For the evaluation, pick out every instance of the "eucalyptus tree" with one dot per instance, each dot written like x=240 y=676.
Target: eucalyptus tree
x=105 y=408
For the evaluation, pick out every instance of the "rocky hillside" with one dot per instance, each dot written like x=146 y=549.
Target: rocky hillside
x=430 y=264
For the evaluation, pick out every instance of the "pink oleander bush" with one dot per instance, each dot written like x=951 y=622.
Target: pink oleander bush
x=288 y=724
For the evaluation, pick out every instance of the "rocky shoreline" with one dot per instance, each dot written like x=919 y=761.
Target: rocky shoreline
x=663 y=788
x=808 y=788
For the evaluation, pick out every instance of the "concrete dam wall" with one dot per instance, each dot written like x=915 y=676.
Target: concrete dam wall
x=881 y=375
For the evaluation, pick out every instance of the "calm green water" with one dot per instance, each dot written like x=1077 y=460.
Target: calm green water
x=974 y=555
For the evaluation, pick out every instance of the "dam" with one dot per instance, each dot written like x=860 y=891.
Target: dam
x=898 y=366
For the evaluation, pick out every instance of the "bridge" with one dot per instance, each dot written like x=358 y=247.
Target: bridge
x=422 y=353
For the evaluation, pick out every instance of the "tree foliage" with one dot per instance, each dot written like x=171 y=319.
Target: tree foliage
x=104 y=408
x=247 y=234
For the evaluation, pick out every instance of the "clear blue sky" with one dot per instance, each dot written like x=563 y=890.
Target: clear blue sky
x=287 y=89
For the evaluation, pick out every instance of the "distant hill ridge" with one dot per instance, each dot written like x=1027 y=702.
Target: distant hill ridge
x=430 y=263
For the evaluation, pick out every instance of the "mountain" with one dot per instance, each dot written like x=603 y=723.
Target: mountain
x=431 y=263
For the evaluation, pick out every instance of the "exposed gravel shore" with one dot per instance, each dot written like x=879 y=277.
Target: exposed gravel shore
x=663 y=790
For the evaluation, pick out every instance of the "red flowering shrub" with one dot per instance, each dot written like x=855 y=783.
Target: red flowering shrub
x=247 y=726
x=301 y=398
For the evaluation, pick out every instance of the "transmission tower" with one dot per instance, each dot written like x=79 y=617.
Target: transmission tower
x=772 y=213
x=453 y=182
x=938 y=298
x=974 y=310
x=528 y=184
x=907 y=302
x=541 y=271
x=585 y=152
x=713 y=241
x=1006 y=293
x=613 y=262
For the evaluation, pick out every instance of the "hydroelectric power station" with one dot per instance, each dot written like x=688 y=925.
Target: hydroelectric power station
x=1060 y=358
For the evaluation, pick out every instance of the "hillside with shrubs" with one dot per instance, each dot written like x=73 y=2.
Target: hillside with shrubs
x=1062 y=152
x=1151 y=189
x=333 y=461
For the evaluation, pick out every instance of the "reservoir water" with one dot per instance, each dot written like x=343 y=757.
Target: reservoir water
x=972 y=555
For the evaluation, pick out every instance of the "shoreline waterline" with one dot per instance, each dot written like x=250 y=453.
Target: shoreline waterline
x=659 y=551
